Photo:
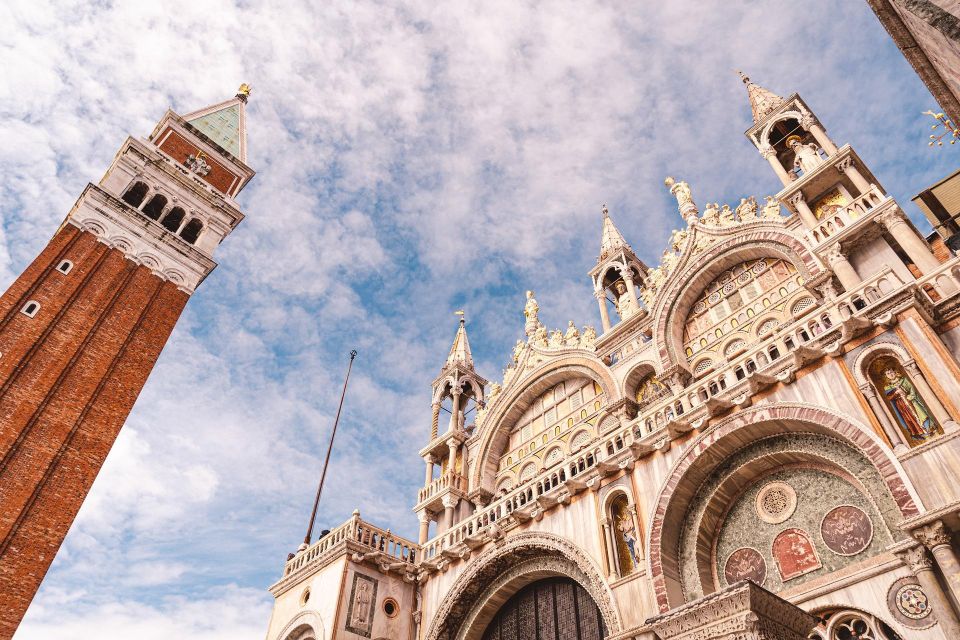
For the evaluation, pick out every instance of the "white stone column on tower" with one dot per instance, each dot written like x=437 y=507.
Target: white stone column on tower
x=608 y=540
x=918 y=559
x=849 y=169
x=771 y=156
x=844 y=271
x=798 y=202
x=601 y=297
x=915 y=247
x=424 y=519
x=430 y=461
x=449 y=502
x=452 y=448
x=810 y=123
x=454 y=409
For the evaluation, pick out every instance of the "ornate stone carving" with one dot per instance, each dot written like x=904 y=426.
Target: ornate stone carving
x=776 y=502
x=846 y=530
x=917 y=559
x=363 y=599
x=932 y=535
x=909 y=603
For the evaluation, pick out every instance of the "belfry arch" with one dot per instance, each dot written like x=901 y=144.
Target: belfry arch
x=479 y=592
x=676 y=301
x=669 y=523
x=510 y=406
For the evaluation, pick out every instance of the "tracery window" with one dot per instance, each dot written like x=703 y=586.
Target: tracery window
x=851 y=624
x=742 y=303
x=553 y=417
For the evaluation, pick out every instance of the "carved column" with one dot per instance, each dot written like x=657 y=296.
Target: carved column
x=631 y=289
x=811 y=124
x=454 y=409
x=771 y=155
x=424 y=519
x=907 y=238
x=922 y=566
x=608 y=542
x=601 y=297
x=452 y=447
x=435 y=424
x=891 y=430
x=936 y=537
x=932 y=400
x=803 y=210
x=841 y=266
x=430 y=460
x=849 y=169
x=449 y=502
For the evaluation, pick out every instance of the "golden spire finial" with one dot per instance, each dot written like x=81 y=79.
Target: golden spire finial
x=244 y=91
x=461 y=314
x=743 y=77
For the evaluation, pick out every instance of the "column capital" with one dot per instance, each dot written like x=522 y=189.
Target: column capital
x=917 y=559
x=452 y=445
x=424 y=517
x=767 y=152
x=430 y=459
x=599 y=294
x=449 y=501
x=891 y=218
x=835 y=254
x=796 y=198
x=845 y=164
x=932 y=535
x=809 y=120
x=867 y=390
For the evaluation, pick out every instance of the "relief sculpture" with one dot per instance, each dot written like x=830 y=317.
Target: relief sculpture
x=794 y=554
x=846 y=530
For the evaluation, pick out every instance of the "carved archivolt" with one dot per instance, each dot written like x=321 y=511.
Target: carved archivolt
x=530 y=554
x=306 y=625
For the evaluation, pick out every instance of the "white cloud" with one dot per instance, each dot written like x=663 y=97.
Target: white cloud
x=412 y=159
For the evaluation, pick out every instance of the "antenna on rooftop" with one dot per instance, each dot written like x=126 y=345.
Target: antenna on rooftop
x=326 y=462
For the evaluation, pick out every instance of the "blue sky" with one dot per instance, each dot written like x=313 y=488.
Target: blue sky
x=412 y=160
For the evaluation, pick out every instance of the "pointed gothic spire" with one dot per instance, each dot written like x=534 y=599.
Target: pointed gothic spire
x=762 y=101
x=225 y=123
x=611 y=239
x=460 y=351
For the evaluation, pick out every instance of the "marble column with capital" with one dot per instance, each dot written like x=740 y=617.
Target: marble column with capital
x=891 y=430
x=449 y=502
x=604 y=312
x=936 y=537
x=811 y=124
x=430 y=461
x=771 y=155
x=614 y=568
x=798 y=202
x=921 y=564
x=849 y=169
x=841 y=266
x=424 y=519
x=911 y=242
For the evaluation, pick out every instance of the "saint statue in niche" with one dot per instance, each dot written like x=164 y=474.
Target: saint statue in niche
x=624 y=304
x=903 y=400
x=806 y=157
x=626 y=536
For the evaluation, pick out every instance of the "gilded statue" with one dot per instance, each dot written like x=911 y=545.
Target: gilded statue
x=572 y=337
x=747 y=209
x=806 y=157
x=772 y=208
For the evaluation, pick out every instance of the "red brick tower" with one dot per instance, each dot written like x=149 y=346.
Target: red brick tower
x=82 y=327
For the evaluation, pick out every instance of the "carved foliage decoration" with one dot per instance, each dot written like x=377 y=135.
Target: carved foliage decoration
x=363 y=599
x=794 y=553
x=909 y=409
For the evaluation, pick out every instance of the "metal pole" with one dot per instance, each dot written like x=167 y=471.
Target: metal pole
x=326 y=462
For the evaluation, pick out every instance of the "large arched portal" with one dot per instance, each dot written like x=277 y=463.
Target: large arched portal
x=551 y=609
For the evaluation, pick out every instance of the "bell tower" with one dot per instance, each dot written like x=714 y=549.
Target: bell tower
x=457 y=391
x=840 y=204
x=83 y=325
x=617 y=275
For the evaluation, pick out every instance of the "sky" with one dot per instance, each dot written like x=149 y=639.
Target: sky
x=412 y=159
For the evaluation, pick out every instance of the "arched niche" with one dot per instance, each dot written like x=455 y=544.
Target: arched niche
x=878 y=473
x=513 y=404
x=306 y=625
x=622 y=532
x=500 y=572
x=682 y=292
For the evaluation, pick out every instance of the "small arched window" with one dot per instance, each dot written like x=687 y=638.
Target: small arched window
x=171 y=221
x=135 y=194
x=30 y=309
x=191 y=232
x=155 y=207
x=65 y=266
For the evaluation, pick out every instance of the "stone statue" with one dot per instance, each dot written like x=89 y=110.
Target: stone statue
x=646 y=294
x=806 y=157
x=518 y=350
x=678 y=240
x=540 y=336
x=556 y=338
x=711 y=215
x=747 y=209
x=530 y=313
x=624 y=304
x=772 y=208
x=680 y=190
x=588 y=337
x=726 y=216
x=572 y=336
x=669 y=260
x=361 y=605
x=656 y=277
x=496 y=388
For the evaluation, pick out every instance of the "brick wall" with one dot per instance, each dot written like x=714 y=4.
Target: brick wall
x=68 y=379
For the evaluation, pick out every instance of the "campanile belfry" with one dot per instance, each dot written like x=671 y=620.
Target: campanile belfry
x=83 y=325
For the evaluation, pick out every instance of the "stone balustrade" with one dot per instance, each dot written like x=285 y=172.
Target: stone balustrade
x=942 y=283
x=832 y=224
x=360 y=533
x=445 y=481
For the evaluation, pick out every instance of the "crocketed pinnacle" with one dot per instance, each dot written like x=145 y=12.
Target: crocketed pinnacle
x=460 y=351
x=611 y=239
x=762 y=101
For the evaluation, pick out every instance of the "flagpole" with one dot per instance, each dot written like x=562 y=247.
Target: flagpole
x=326 y=462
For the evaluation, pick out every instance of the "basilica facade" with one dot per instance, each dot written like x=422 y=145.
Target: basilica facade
x=758 y=440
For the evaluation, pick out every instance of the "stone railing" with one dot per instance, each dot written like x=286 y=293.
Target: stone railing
x=942 y=283
x=836 y=222
x=361 y=533
x=445 y=481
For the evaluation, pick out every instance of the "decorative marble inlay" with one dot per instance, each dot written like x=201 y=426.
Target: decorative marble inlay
x=794 y=553
x=909 y=604
x=745 y=563
x=846 y=530
x=776 y=502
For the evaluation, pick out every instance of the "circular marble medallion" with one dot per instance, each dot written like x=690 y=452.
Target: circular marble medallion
x=912 y=602
x=846 y=530
x=776 y=502
x=745 y=564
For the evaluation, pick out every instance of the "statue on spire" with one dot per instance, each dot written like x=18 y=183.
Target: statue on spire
x=685 y=203
x=530 y=313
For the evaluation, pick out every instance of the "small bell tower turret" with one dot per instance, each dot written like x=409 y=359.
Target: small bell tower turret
x=457 y=392
x=617 y=275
